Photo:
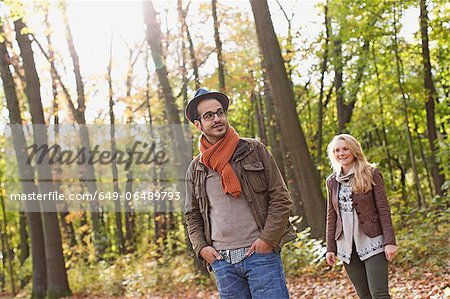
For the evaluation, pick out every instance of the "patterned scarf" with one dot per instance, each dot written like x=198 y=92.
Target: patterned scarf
x=345 y=178
x=217 y=157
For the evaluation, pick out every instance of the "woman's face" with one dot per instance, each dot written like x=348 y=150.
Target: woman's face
x=343 y=154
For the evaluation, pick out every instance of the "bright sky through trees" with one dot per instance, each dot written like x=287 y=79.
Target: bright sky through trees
x=93 y=24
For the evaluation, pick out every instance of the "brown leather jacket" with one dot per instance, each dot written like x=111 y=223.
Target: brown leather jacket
x=263 y=187
x=372 y=209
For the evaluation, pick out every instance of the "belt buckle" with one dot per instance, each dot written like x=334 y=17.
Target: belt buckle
x=234 y=256
x=225 y=253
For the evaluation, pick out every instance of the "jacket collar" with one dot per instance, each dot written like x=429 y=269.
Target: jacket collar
x=242 y=150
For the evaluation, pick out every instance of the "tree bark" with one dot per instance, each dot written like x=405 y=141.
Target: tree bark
x=118 y=211
x=39 y=287
x=5 y=244
x=153 y=39
x=153 y=34
x=100 y=241
x=291 y=129
x=184 y=77
x=323 y=70
x=424 y=160
x=128 y=206
x=279 y=150
x=338 y=79
x=256 y=99
x=24 y=246
x=346 y=100
x=67 y=225
x=129 y=215
x=218 y=46
x=345 y=110
x=281 y=154
x=383 y=123
x=399 y=71
x=147 y=93
x=57 y=283
x=402 y=180
x=272 y=123
x=194 y=62
x=430 y=90
x=289 y=43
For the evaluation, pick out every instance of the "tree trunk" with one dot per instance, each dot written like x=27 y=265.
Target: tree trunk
x=183 y=12
x=281 y=154
x=346 y=100
x=218 y=46
x=5 y=244
x=129 y=215
x=430 y=90
x=3 y=273
x=153 y=39
x=345 y=110
x=100 y=240
x=67 y=225
x=399 y=72
x=402 y=180
x=338 y=79
x=25 y=171
x=256 y=99
x=129 y=211
x=75 y=60
x=279 y=150
x=120 y=240
x=160 y=218
x=184 y=77
x=383 y=124
x=424 y=159
x=289 y=43
x=24 y=247
x=147 y=93
x=291 y=130
x=323 y=70
x=57 y=283
x=153 y=34
x=272 y=124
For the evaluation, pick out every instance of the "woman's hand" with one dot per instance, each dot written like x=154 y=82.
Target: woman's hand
x=331 y=258
x=390 y=251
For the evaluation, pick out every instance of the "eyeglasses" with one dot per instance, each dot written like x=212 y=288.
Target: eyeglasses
x=209 y=116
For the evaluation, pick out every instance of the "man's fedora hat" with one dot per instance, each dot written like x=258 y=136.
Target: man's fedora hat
x=200 y=95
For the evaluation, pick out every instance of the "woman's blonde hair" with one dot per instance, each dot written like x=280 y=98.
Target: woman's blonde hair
x=362 y=180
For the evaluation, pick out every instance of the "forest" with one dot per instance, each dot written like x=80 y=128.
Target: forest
x=115 y=76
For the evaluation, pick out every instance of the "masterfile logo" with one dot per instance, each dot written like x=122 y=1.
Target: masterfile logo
x=92 y=167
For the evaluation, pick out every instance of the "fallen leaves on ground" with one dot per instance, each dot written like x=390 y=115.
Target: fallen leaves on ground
x=403 y=283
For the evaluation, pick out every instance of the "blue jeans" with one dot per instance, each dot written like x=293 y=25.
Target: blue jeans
x=258 y=276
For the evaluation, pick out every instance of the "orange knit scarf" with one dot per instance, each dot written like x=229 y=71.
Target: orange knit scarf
x=217 y=157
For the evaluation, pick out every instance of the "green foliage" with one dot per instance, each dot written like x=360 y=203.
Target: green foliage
x=303 y=255
x=422 y=236
x=136 y=275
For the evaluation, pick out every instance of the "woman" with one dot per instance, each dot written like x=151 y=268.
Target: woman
x=359 y=225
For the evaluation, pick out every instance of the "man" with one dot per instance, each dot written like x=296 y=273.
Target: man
x=237 y=205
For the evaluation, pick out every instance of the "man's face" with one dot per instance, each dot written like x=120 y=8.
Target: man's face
x=217 y=127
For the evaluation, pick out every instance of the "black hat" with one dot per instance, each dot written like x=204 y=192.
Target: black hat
x=200 y=95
